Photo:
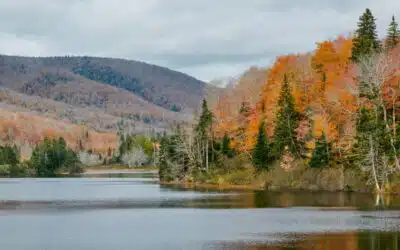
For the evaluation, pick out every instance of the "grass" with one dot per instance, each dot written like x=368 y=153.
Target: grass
x=300 y=177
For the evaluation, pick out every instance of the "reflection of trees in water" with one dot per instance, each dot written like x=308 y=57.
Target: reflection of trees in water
x=338 y=241
x=317 y=199
x=262 y=199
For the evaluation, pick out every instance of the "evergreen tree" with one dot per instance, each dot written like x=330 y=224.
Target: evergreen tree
x=9 y=155
x=393 y=35
x=164 y=168
x=51 y=155
x=226 y=146
x=205 y=119
x=204 y=132
x=173 y=162
x=366 y=38
x=372 y=149
x=261 y=154
x=321 y=154
x=287 y=121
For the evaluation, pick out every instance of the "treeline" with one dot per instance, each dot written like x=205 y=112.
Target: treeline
x=330 y=115
x=136 y=151
x=50 y=158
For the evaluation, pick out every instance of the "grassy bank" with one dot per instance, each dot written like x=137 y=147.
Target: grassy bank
x=299 y=178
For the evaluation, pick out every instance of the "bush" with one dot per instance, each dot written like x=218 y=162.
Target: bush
x=241 y=177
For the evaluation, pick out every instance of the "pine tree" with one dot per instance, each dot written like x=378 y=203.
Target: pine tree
x=393 y=34
x=164 y=168
x=226 y=146
x=366 y=39
x=204 y=132
x=321 y=154
x=287 y=121
x=205 y=119
x=261 y=151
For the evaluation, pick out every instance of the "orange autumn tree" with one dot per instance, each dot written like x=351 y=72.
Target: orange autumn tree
x=322 y=83
x=325 y=88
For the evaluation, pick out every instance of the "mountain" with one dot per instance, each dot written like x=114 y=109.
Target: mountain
x=41 y=96
x=160 y=86
x=115 y=91
x=223 y=82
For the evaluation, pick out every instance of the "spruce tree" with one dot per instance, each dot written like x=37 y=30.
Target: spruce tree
x=205 y=119
x=287 y=121
x=321 y=153
x=366 y=40
x=226 y=146
x=164 y=168
x=393 y=34
x=204 y=129
x=261 y=151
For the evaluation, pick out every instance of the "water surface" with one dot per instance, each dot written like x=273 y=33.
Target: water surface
x=134 y=212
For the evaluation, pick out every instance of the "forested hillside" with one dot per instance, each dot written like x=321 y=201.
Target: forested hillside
x=63 y=96
x=157 y=85
x=326 y=119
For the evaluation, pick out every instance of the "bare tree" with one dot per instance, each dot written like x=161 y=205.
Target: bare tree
x=135 y=158
x=374 y=72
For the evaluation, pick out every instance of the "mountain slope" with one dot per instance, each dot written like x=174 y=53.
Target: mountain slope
x=157 y=85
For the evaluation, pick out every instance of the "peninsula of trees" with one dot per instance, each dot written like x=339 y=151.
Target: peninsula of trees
x=327 y=119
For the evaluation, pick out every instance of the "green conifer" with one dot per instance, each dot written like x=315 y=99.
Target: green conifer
x=366 y=40
x=393 y=34
x=261 y=151
x=287 y=121
x=321 y=154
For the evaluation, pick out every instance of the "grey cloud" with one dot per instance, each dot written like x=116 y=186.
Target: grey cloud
x=203 y=38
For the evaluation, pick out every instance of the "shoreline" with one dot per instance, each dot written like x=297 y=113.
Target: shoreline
x=226 y=187
x=118 y=170
x=253 y=187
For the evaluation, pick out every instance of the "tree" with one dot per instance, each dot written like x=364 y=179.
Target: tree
x=9 y=155
x=135 y=157
x=366 y=40
x=164 y=170
x=287 y=121
x=261 y=151
x=52 y=155
x=393 y=34
x=204 y=130
x=244 y=108
x=174 y=160
x=372 y=148
x=321 y=153
x=226 y=146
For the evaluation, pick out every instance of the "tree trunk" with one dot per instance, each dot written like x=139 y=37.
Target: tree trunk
x=394 y=117
x=207 y=154
x=372 y=159
x=396 y=159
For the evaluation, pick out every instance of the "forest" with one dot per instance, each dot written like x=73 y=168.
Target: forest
x=323 y=120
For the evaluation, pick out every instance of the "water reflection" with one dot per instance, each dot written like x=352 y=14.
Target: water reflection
x=134 y=212
x=332 y=241
x=333 y=200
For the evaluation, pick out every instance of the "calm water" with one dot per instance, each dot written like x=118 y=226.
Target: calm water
x=120 y=212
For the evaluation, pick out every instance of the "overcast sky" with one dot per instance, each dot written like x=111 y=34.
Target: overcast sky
x=204 y=38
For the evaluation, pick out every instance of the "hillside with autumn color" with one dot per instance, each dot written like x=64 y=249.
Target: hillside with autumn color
x=326 y=119
x=103 y=96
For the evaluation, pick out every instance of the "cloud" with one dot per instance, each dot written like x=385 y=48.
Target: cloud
x=203 y=38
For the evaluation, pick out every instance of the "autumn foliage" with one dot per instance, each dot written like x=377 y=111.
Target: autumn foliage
x=26 y=131
x=324 y=85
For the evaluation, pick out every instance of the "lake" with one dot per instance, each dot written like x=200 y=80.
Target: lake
x=132 y=211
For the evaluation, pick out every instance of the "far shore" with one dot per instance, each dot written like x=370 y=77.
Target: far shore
x=118 y=169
